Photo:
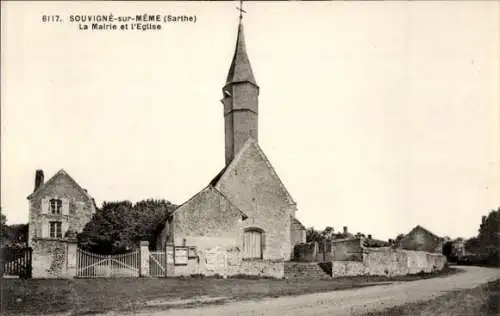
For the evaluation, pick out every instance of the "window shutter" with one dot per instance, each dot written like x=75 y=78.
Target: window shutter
x=45 y=206
x=65 y=206
x=45 y=229
x=263 y=242
x=64 y=228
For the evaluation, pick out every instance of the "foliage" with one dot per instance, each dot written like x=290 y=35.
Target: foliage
x=13 y=236
x=3 y=227
x=359 y=235
x=485 y=248
x=472 y=245
x=313 y=235
x=327 y=233
x=119 y=226
x=489 y=232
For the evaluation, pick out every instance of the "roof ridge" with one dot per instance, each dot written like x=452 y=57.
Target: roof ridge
x=65 y=173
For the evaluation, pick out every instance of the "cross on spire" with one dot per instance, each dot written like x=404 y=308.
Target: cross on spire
x=240 y=8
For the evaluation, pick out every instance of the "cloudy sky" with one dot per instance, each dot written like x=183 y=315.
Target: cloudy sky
x=376 y=115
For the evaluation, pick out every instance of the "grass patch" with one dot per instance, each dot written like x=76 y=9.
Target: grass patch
x=480 y=301
x=88 y=296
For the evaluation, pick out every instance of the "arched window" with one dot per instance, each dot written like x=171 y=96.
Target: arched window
x=253 y=243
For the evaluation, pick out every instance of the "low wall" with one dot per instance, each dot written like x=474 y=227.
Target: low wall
x=348 y=268
x=50 y=258
x=58 y=259
x=390 y=262
x=227 y=262
x=260 y=268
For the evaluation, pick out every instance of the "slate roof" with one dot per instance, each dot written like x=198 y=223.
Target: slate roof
x=240 y=69
x=296 y=222
x=52 y=179
x=418 y=227
x=211 y=188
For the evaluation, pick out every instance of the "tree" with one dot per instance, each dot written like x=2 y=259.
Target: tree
x=3 y=229
x=489 y=231
x=327 y=233
x=14 y=236
x=359 y=235
x=472 y=245
x=313 y=235
x=119 y=226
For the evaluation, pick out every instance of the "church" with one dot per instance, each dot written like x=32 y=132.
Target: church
x=246 y=207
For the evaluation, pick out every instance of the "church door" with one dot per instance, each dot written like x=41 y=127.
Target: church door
x=252 y=244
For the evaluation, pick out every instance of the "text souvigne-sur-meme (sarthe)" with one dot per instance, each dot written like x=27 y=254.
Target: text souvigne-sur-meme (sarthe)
x=137 y=22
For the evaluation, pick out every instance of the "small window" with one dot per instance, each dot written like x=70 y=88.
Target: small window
x=55 y=230
x=55 y=206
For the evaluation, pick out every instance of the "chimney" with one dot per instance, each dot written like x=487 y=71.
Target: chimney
x=369 y=236
x=38 y=179
x=345 y=229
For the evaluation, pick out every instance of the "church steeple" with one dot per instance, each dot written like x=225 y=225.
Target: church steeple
x=240 y=69
x=240 y=99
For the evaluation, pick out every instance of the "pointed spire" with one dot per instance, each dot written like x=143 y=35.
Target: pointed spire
x=240 y=69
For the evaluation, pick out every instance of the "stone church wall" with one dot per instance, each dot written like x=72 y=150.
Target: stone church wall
x=206 y=221
x=251 y=184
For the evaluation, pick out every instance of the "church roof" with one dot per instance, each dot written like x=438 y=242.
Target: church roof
x=216 y=179
x=211 y=189
x=240 y=70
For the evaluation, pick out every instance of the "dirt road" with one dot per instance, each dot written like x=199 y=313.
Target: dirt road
x=346 y=302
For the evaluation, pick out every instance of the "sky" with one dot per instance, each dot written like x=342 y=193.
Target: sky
x=379 y=116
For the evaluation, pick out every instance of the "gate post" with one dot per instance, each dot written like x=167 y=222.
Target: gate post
x=144 y=267
x=71 y=257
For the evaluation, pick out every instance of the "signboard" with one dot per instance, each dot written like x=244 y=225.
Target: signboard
x=181 y=255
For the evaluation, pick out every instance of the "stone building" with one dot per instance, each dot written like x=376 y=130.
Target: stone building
x=58 y=209
x=57 y=206
x=420 y=239
x=245 y=207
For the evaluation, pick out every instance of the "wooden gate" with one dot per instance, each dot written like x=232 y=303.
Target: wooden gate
x=92 y=265
x=16 y=262
x=157 y=264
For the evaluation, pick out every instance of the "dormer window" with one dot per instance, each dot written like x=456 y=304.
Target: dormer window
x=55 y=206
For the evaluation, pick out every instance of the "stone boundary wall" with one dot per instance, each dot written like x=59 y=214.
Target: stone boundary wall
x=53 y=258
x=390 y=262
x=58 y=259
x=260 y=268
x=342 y=249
